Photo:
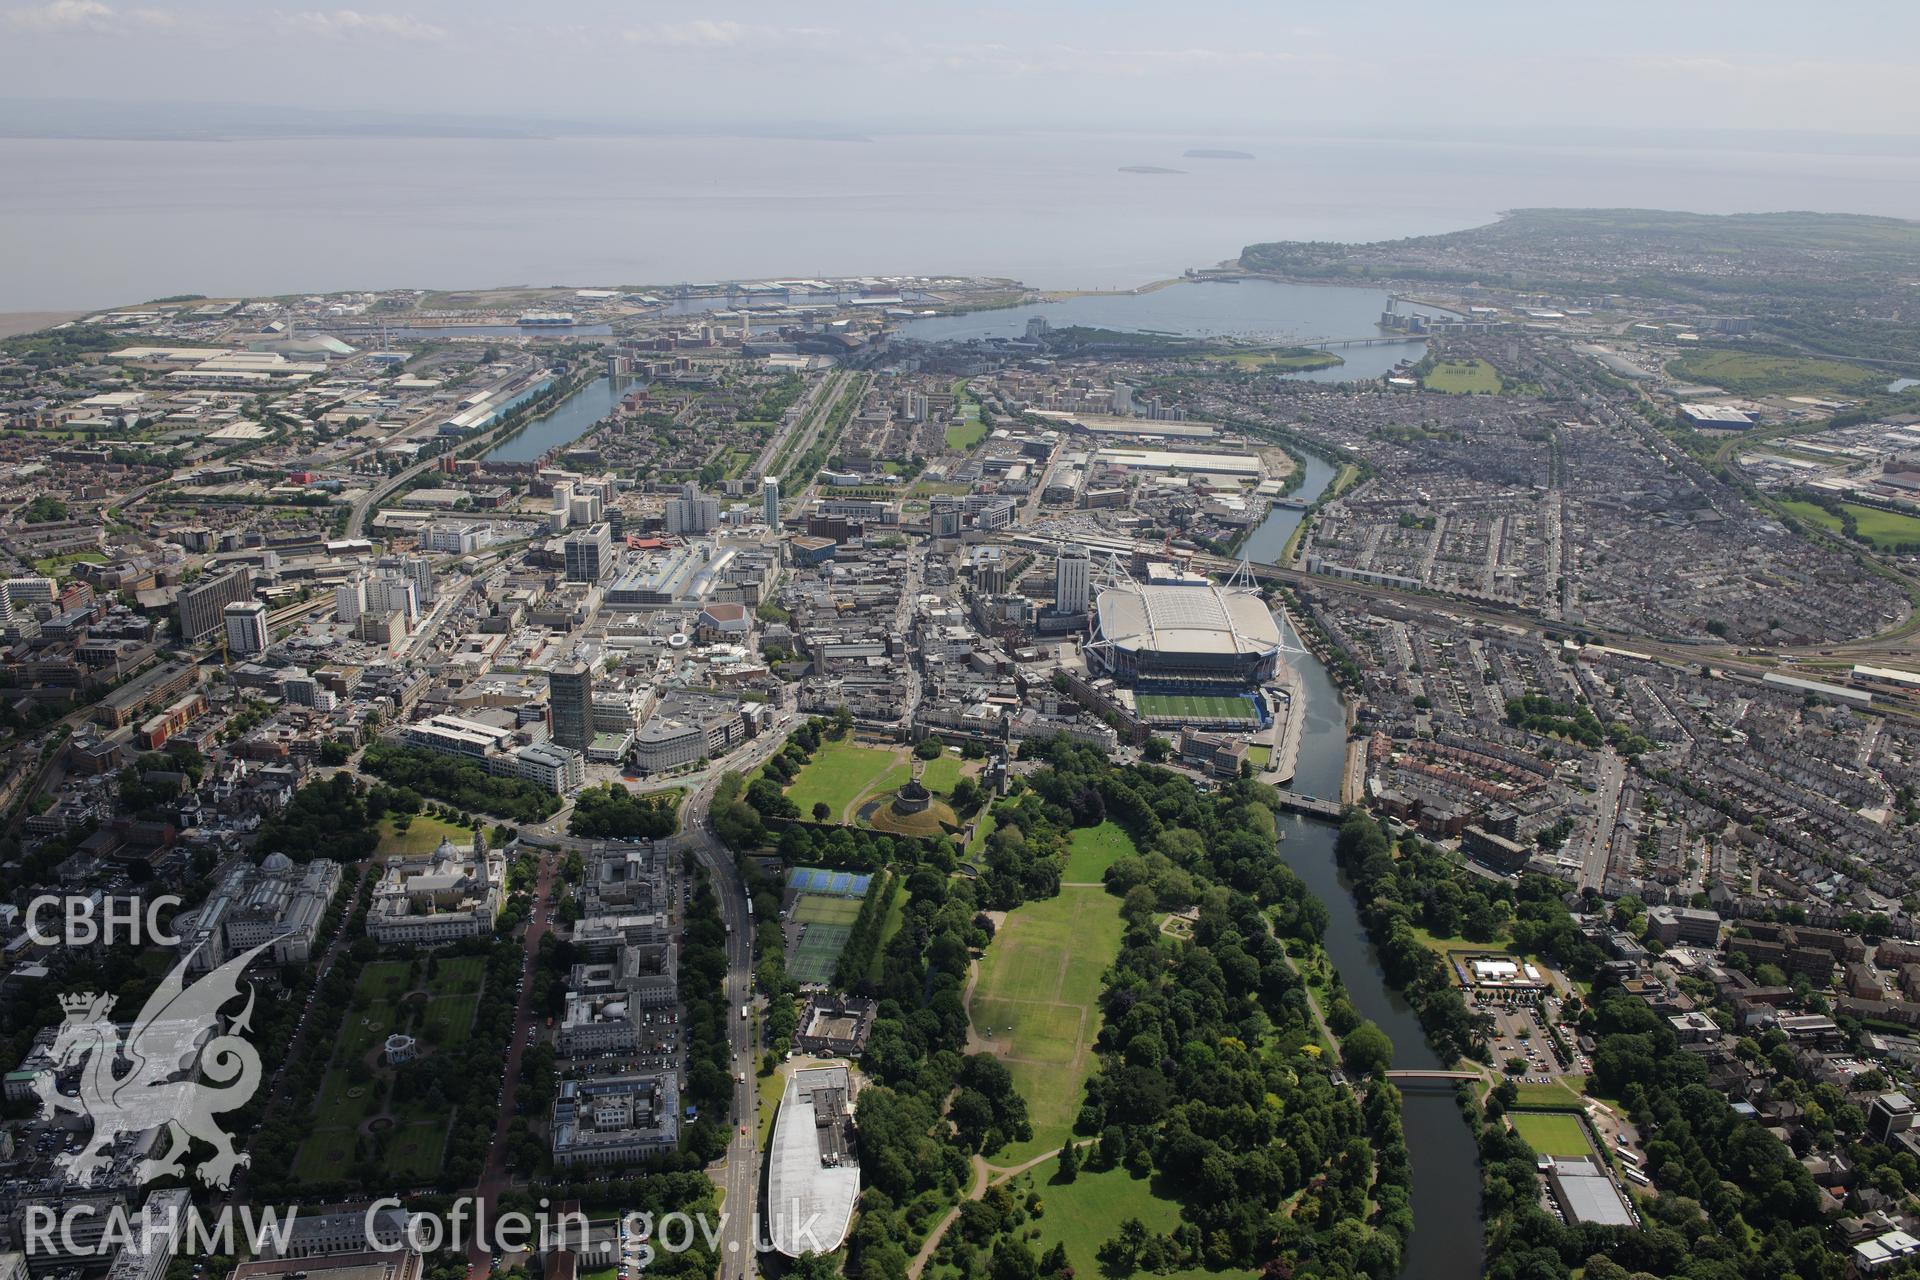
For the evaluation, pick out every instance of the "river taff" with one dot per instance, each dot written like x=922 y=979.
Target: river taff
x=1446 y=1243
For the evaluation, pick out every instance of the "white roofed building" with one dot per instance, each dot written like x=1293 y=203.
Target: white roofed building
x=1196 y=632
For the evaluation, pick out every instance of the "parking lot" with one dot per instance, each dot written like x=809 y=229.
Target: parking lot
x=1520 y=1036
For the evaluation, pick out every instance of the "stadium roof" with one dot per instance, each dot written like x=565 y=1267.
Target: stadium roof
x=1188 y=619
x=812 y=1178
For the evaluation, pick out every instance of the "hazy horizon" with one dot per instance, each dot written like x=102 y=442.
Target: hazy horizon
x=1221 y=68
x=117 y=222
x=433 y=144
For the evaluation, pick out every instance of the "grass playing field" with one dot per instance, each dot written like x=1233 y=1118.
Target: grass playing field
x=967 y=430
x=814 y=908
x=1193 y=706
x=841 y=773
x=446 y=1020
x=1461 y=377
x=1092 y=850
x=1085 y=1213
x=459 y=973
x=1277 y=360
x=1551 y=1097
x=1885 y=529
x=1034 y=1005
x=1754 y=374
x=423 y=835
x=1552 y=1133
x=941 y=774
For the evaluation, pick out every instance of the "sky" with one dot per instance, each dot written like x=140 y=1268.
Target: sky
x=1216 y=66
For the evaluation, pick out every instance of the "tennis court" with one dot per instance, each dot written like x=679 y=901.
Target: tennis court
x=818 y=925
x=811 y=908
x=1194 y=706
x=817 y=952
x=838 y=884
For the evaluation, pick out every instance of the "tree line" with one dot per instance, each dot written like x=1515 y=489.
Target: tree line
x=613 y=812
x=1210 y=1072
x=863 y=940
x=459 y=782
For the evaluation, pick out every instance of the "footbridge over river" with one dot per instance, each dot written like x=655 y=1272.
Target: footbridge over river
x=1312 y=806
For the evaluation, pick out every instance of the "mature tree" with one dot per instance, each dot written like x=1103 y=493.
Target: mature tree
x=813 y=1266
x=1366 y=1050
x=966 y=794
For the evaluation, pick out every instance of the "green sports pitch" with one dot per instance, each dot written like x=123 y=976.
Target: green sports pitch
x=1193 y=706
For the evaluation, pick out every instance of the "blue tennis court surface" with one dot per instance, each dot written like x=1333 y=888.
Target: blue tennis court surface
x=840 y=884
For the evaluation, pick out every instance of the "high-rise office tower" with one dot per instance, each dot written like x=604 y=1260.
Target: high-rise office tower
x=770 y=500
x=570 y=700
x=1072 y=580
x=246 y=622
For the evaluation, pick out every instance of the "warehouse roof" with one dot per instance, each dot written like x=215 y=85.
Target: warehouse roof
x=1588 y=1195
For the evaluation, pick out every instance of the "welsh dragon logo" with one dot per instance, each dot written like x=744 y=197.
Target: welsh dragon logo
x=174 y=1080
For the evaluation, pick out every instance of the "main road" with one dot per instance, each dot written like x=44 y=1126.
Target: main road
x=495 y=1175
x=740 y=1172
x=798 y=417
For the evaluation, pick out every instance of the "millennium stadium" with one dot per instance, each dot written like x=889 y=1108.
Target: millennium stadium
x=1192 y=636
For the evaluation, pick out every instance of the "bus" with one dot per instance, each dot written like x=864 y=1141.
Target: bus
x=1629 y=1157
x=1638 y=1178
x=749 y=906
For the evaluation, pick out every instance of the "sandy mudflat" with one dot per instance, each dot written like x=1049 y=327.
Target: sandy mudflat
x=13 y=322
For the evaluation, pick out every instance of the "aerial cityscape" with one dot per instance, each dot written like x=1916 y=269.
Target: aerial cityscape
x=1238 y=738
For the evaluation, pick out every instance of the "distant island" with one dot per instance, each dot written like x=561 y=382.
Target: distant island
x=1204 y=153
x=1147 y=168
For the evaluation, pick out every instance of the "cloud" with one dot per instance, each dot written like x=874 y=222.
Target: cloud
x=1763 y=72
x=720 y=33
x=82 y=15
x=353 y=24
x=1682 y=66
x=1062 y=59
